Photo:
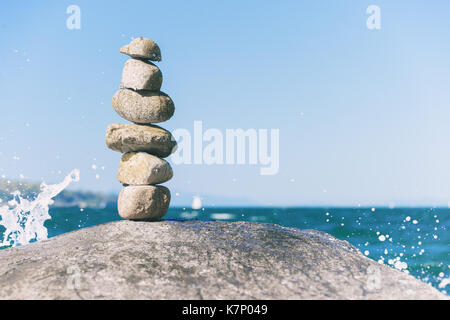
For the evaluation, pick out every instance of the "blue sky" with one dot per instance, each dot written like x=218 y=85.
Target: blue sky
x=363 y=114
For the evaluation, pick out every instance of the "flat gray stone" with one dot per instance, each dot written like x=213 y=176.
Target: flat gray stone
x=199 y=260
x=141 y=75
x=140 y=168
x=143 y=107
x=146 y=138
x=143 y=202
x=142 y=48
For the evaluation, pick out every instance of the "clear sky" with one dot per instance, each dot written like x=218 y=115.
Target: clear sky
x=363 y=114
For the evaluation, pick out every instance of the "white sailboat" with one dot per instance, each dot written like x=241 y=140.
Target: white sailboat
x=196 y=203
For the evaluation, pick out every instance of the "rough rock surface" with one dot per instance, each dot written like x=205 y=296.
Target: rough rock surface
x=141 y=75
x=199 y=260
x=147 y=138
x=143 y=107
x=140 y=168
x=142 y=48
x=143 y=202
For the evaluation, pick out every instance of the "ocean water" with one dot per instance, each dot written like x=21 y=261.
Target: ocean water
x=413 y=240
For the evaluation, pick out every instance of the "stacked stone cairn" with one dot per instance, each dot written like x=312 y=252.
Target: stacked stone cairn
x=142 y=143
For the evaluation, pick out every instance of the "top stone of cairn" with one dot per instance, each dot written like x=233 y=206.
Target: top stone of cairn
x=142 y=48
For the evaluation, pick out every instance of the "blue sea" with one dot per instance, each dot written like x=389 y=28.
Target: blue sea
x=414 y=240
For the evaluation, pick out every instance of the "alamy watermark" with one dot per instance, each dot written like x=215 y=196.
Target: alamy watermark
x=73 y=22
x=373 y=281
x=74 y=277
x=374 y=20
x=234 y=146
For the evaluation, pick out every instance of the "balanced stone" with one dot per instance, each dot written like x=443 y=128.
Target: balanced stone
x=143 y=107
x=143 y=202
x=142 y=48
x=141 y=75
x=140 y=168
x=147 y=138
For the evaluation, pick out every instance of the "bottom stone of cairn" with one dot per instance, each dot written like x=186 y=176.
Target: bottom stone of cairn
x=143 y=202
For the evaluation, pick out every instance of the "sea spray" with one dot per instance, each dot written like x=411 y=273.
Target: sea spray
x=24 y=219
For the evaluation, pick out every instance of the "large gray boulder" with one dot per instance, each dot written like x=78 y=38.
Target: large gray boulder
x=199 y=260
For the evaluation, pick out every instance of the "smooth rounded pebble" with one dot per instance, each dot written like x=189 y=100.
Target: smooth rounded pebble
x=147 y=138
x=141 y=75
x=143 y=107
x=142 y=48
x=143 y=202
x=140 y=168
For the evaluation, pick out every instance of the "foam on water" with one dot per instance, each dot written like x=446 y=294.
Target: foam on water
x=24 y=219
x=222 y=216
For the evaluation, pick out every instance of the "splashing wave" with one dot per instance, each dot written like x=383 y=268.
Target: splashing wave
x=24 y=219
